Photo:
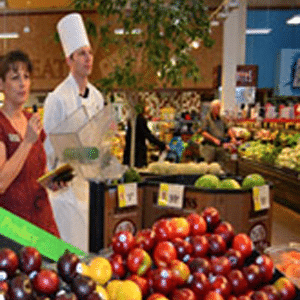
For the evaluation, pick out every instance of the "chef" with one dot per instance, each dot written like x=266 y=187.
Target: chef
x=71 y=206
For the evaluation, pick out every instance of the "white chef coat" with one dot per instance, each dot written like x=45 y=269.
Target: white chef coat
x=70 y=205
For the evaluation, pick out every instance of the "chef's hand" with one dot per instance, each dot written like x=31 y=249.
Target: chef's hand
x=34 y=128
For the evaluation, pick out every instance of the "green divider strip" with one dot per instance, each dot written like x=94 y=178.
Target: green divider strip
x=27 y=234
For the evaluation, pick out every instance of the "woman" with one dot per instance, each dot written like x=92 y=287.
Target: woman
x=22 y=155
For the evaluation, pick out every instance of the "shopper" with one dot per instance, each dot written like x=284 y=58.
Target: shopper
x=22 y=155
x=217 y=134
x=74 y=92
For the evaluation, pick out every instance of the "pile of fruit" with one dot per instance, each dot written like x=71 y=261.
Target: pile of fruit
x=198 y=257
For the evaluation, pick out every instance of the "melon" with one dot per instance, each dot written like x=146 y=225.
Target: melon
x=229 y=184
x=252 y=180
x=207 y=181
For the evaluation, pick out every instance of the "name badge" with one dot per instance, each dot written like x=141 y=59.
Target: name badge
x=14 y=137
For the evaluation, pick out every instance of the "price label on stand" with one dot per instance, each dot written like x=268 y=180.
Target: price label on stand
x=261 y=197
x=171 y=195
x=127 y=194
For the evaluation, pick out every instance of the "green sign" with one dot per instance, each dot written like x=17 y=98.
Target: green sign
x=27 y=234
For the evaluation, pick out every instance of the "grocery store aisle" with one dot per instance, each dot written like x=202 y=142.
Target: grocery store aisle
x=285 y=225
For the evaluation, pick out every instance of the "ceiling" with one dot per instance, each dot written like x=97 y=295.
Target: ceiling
x=43 y=5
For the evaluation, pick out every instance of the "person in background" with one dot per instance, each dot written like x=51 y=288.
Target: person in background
x=142 y=133
x=216 y=133
x=22 y=155
x=72 y=205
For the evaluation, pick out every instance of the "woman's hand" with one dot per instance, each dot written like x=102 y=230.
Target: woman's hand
x=34 y=128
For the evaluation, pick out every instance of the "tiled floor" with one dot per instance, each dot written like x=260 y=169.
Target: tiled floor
x=285 y=225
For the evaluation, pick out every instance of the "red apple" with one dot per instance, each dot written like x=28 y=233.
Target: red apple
x=9 y=261
x=200 y=265
x=199 y=284
x=118 y=265
x=141 y=282
x=226 y=231
x=217 y=245
x=213 y=295
x=244 y=297
x=46 y=282
x=252 y=275
x=243 y=243
x=266 y=267
x=238 y=282
x=163 y=230
x=212 y=217
x=163 y=281
x=123 y=242
x=259 y=295
x=197 y=224
x=271 y=291
x=138 y=261
x=200 y=245
x=181 y=227
x=220 y=265
x=235 y=258
x=183 y=248
x=183 y=294
x=286 y=288
x=63 y=295
x=67 y=266
x=82 y=286
x=163 y=254
x=221 y=285
x=145 y=239
x=30 y=259
x=180 y=271
x=20 y=288
x=157 y=296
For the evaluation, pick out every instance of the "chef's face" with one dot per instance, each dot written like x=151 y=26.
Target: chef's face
x=16 y=85
x=81 y=61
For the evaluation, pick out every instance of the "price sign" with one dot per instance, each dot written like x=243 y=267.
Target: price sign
x=261 y=197
x=127 y=194
x=171 y=195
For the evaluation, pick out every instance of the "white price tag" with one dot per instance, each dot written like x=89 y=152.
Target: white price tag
x=171 y=195
x=261 y=197
x=127 y=194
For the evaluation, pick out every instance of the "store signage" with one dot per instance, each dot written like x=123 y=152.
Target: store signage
x=261 y=197
x=171 y=195
x=127 y=194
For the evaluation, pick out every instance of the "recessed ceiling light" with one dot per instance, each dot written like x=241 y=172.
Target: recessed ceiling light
x=9 y=35
x=294 y=20
x=258 y=31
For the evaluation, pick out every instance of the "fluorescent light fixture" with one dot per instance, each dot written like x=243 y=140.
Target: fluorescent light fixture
x=120 y=31
x=258 y=31
x=9 y=35
x=294 y=20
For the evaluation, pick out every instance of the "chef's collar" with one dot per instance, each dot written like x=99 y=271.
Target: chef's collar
x=86 y=93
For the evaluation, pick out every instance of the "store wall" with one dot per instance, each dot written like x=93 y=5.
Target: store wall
x=262 y=50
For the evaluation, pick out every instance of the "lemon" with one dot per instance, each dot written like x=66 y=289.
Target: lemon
x=112 y=288
x=100 y=270
x=84 y=269
x=102 y=292
x=128 y=290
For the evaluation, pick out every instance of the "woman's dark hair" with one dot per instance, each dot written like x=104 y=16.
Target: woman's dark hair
x=9 y=61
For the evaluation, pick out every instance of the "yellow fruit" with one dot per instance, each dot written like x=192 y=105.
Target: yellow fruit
x=112 y=288
x=85 y=269
x=100 y=270
x=102 y=292
x=128 y=290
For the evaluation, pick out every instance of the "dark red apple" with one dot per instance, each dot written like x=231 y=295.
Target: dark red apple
x=199 y=284
x=200 y=245
x=142 y=282
x=94 y=296
x=163 y=254
x=266 y=267
x=63 y=295
x=46 y=282
x=183 y=248
x=212 y=218
x=21 y=288
x=259 y=295
x=138 y=261
x=252 y=275
x=163 y=230
x=163 y=281
x=220 y=265
x=4 y=286
x=243 y=243
x=197 y=224
x=9 y=261
x=157 y=296
x=226 y=231
x=145 y=239
x=30 y=259
x=200 y=265
x=67 y=266
x=271 y=291
x=238 y=282
x=286 y=288
x=221 y=285
x=123 y=242
x=82 y=286
x=235 y=258
x=217 y=245
x=118 y=265
x=213 y=295
x=183 y=294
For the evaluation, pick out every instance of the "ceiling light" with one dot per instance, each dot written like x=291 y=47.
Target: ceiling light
x=258 y=31
x=9 y=35
x=120 y=31
x=195 y=44
x=294 y=20
x=214 y=23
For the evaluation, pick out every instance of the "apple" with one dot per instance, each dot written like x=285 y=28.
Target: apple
x=220 y=265
x=221 y=285
x=212 y=218
x=163 y=254
x=30 y=259
x=123 y=242
x=200 y=245
x=141 y=282
x=163 y=281
x=243 y=243
x=183 y=294
x=238 y=282
x=157 y=296
x=199 y=284
x=286 y=288
x=46 y=282
x=163 y=230
x=145 y=239
x=82 y=286
x=266 y=267
x=252 y=275
x=181 y=227
x=9 y=261
x=20 y=288
x=4 y=286
x=213 y=295
x=217 y=245
x=259 y=295
x=118 y=266
x=181 y=271
x=94 y=296
x=197 y=224
x=226 y=231
x=235 y=257
x=271 y=291
x=138 y=261
x=200 y=265
x=183 y=248
x=67 y=266
x=244 y=297
x=63 y=295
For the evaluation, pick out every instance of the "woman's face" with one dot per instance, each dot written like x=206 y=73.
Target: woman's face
x=16 y=86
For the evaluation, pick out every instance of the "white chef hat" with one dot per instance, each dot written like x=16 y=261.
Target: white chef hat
x=72 y=33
